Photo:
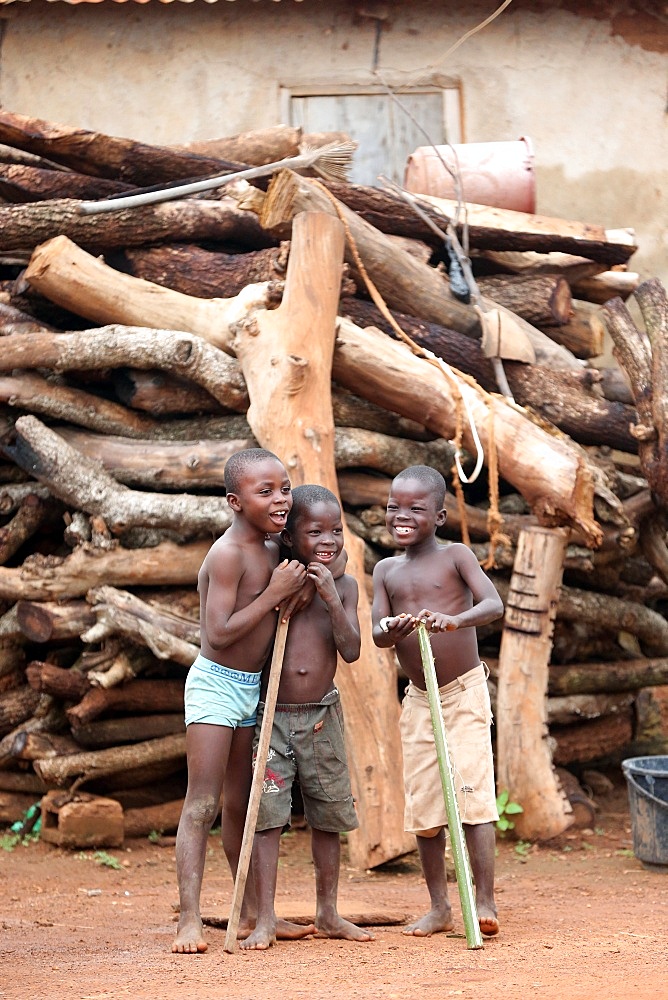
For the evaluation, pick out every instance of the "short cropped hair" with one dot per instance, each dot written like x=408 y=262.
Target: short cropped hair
x=237 y=465
x=305 y=497
x=430 y=478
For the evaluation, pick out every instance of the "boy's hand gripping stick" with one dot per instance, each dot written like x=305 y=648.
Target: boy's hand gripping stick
x=257 y=783
x=462 y=866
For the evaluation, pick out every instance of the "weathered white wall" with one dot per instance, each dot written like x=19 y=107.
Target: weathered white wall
x=590 y=91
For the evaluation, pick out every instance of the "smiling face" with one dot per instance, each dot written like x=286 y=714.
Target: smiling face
x=412 y=514
x=263 y=496
x=317 y=534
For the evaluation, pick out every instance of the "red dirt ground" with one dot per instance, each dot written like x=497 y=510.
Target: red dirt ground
x=580 y=918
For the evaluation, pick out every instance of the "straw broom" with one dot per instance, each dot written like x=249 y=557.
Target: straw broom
x=331 y=162
x=462 y=866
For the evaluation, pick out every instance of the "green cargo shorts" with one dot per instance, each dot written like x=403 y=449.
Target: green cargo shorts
x=307 y=745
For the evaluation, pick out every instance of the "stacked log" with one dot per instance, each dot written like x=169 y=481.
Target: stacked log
x=115 y=438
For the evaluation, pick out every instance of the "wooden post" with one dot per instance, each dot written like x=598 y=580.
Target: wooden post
x=524 y=760
x=286 y=356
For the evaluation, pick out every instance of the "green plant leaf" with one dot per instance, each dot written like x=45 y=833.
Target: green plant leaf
x=513 y=807
x=501 y=800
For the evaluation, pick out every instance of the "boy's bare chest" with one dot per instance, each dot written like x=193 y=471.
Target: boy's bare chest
x=256 y=576
x=413 y=587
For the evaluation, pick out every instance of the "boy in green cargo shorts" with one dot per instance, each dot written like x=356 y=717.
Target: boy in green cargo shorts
x=307 y=742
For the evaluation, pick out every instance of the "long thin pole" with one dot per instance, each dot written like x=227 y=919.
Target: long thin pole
x=231 y=944
x=460 y=854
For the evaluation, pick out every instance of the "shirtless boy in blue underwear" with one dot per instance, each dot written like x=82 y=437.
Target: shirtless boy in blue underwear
x=307 y=742
x=241 y=583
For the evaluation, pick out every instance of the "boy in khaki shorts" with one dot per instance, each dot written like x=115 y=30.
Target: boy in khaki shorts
x=307 y=741
x=443 y=586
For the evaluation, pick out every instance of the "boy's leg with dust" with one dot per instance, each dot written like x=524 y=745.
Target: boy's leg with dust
x=265 y=872
x=207 y=749
x=432 y=857
x=238 y=778
x=481 y=843
x=326 y=850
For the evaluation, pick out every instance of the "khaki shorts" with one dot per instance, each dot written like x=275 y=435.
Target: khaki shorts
x=467 y=714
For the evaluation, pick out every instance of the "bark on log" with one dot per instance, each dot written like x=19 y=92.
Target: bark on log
x=490 y=229
x=138 y=696
x=47 y=717
x=523 y=756
x=256 y=147
x=58 y=771
x=162 y=394
x=103 y=155
x=550 y=472
x=88 y=487
x=607 y=285
x=19 y=183
x=584 y=333
x=129 y=729
x=40 y=746
x=165 y=646
x=542 y=300
x=261 y=146
x=201 y=464
x=618 y=675
x=12 y=662
x=113 y=346
x=565 y=398
x=504 y=229
x=49 y=621
x=182 y=627
x=404 y=282
x=68 y=685
x=13 y=320
x=35 y=394
x=59 y=578
x=163 y=818
x=286 y=358
x=564 y=710
x=14 y=805
x=596 y=740
x=571 y=266
x=22 y=781
x=23 y=227
x=33 y=514
x=205 y=274
x=647 y=370
x=611 y=613
x=72 y=278
x=16 y=706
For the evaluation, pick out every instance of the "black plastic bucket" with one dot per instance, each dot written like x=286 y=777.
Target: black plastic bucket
x=647 y=782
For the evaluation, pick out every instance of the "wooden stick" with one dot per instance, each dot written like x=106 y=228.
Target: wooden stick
x=462 y=866
x=231 y=945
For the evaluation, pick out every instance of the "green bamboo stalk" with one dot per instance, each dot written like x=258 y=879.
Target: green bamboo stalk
x=459 y=852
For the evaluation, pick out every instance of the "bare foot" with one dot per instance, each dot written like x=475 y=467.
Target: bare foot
x=488 y=921
x=286 y=930
x=260 y=939
x=437 y=920
x=337 y=927
x=189 y=938
x=245 y=928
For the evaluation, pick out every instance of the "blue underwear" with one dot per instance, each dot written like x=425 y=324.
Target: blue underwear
x=220 y=696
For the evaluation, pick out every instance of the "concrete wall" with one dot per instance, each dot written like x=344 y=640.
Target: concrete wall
x=589 y=90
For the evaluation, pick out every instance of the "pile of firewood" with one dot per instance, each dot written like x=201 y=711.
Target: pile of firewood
x=122 y=395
